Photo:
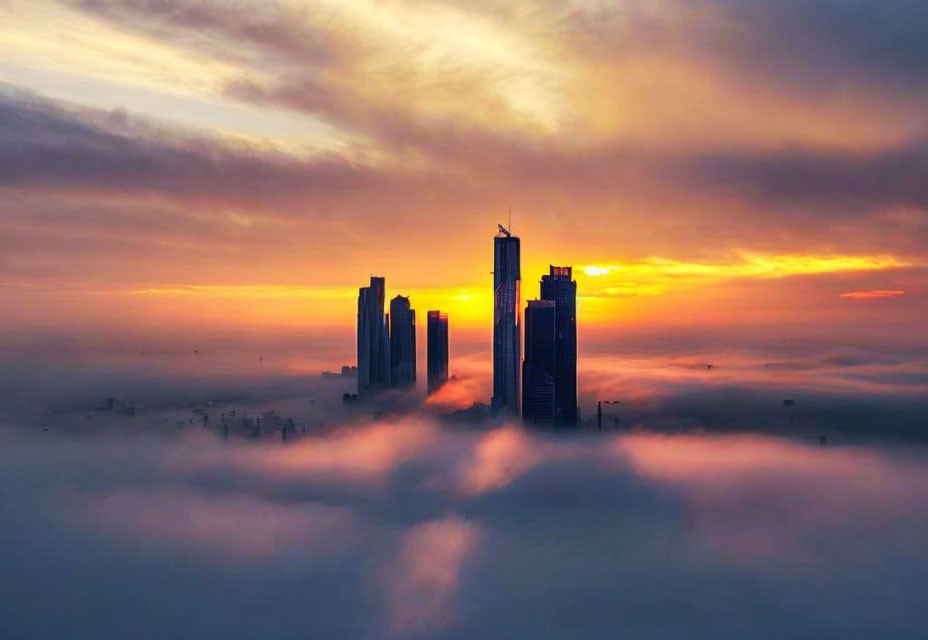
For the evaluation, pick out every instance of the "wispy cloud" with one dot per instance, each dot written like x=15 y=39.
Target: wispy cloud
x=655 y=275
x=874 y=293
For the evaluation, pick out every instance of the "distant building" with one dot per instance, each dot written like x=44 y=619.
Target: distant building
x=402 y=343
x=345 y=372
x=373 y=359
x=559 y=287
x=538 y=373
x=507 y=352
x=475 y=414
x=437 y=350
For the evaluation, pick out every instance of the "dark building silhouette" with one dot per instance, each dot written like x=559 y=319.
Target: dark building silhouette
x=538 y=369
x=385 y=350
x=402 y=343
x=373 y=346
x=437 y=348
x=559 y=287
x=507 y=352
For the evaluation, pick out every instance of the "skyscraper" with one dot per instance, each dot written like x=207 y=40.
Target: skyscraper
x=538 y=372
x=372 y=344
x=437 y=349
x=385 y=374
x=402 y=343
x=559 y=287
x=507 y=352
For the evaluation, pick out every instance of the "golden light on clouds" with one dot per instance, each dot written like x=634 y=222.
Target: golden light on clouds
x=497 y=63
x=302 y=306
x=746 y=265
x=872 y=294
x=243 y=292
x=606 y=292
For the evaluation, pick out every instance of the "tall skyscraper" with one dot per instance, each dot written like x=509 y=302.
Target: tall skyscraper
x=507 y=352
x=385 y=351
x=373 y=361
x=402 y=343
x=538 y=372
x=437 y=349
x=559 y=287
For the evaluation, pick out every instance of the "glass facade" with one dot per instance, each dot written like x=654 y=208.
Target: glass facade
x=507 y=352
x=437 y=350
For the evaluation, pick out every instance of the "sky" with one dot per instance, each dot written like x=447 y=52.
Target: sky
x=178 y=166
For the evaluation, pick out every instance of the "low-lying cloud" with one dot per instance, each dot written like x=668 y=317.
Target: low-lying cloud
x=496 y=533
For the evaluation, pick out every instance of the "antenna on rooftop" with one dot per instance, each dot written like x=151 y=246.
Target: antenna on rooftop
x=503 y=231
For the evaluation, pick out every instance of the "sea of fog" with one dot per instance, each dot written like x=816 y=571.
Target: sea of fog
x=706 y=507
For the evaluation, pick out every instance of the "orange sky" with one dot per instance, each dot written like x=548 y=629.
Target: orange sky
x=250 y=164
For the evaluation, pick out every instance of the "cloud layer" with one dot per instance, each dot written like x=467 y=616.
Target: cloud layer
x=496 y=533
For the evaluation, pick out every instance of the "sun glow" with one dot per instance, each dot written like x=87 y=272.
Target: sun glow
x=606 y=292
x=750 y=265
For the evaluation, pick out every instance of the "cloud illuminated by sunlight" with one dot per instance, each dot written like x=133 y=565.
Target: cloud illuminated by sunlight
x=243 y=291
x=751 y=265
x=423 y=579
x=471 y=306
x=654 y=275
x=874 y=293
x=292 y=304
x=601 y=287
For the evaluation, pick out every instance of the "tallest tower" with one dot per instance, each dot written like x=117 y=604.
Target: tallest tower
x=507 y=350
